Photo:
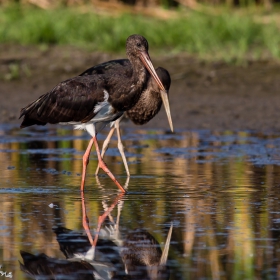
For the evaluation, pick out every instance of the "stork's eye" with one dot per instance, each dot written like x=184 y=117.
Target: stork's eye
x=138 y=45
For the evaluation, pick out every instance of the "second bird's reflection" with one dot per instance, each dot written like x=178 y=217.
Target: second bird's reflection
x=107 y=255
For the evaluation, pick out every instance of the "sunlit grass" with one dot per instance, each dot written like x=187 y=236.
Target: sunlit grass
x=226 y=35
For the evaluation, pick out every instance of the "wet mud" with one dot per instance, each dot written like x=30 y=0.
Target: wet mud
x=203 y=95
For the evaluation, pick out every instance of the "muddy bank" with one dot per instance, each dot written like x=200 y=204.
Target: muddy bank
x=203 y=95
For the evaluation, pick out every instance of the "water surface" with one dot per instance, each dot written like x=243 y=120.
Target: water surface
x=219 y=189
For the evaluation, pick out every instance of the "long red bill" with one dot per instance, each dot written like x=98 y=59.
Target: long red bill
x=145 y=58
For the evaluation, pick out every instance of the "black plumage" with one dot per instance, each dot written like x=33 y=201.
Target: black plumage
x=70 y=101
x=75 y=98
x=88 y=100
x=150 y=101
x=145 y=109
x=112 y=66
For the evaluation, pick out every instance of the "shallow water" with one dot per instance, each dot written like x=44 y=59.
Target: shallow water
x=219 y=189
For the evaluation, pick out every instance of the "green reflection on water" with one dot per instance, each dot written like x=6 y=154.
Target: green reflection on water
x=225 y=208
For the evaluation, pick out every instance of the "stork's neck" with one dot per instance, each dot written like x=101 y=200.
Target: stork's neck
x=147 y=106
x=140 y=75
x=129 y=89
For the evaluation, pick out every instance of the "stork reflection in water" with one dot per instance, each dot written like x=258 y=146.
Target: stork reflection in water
x=135 y=256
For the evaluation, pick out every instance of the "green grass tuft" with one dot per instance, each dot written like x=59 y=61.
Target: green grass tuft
x=227 y=36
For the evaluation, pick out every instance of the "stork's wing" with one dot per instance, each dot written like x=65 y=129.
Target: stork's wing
x=110 y=67
x=73 y=100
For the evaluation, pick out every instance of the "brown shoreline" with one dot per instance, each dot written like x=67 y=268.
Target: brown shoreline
x=203 y=95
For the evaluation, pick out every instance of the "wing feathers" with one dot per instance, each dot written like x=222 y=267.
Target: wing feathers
x=71 y=100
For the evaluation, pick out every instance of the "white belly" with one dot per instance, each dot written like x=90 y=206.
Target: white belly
x=105 y=114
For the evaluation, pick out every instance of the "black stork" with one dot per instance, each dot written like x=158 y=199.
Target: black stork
x=89 y=100
x=146 y=108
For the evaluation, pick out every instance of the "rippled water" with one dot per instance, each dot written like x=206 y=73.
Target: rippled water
x=219 y=189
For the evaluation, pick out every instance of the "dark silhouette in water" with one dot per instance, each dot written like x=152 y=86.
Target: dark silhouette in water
x=143 y=257
x=109 y=256
x=139 y=258
x=44 y=267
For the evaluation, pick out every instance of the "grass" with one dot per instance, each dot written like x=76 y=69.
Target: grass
x=228 y=35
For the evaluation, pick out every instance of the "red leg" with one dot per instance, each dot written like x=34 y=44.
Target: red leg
x=104 y=167
x=85 y=163
x=101 y=164
x=105 y=146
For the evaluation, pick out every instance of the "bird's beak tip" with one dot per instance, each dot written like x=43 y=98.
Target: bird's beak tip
x=165 y=100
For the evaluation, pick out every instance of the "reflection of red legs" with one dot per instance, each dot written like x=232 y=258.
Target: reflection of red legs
x=106 y=213
x=100 y=218
x=100 y=162
x=120 y=204
x=85 y=220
